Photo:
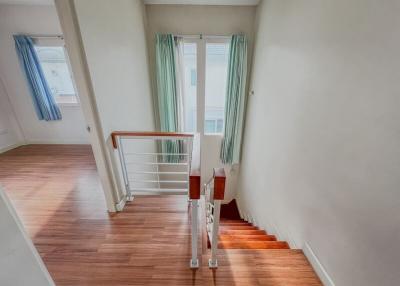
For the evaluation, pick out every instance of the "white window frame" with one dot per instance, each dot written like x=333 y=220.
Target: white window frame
x=59 y=42
x=201 y=45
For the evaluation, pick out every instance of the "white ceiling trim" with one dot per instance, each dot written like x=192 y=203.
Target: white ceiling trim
x=203 y=2
x=27 y=2
x=158 y=2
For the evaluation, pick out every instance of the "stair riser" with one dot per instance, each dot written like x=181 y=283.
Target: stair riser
x=235 y=224
x=239 y=234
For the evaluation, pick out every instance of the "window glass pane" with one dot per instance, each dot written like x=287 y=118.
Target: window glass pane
x=217 y=55
x=209 y=126
x=193 y=77
x=190 y=86
x=220 y=125
x=56 y=71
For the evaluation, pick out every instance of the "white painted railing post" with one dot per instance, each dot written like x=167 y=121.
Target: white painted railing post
x=194 y=196
x=214 y=197
x=189 y=165
x=123 y=168
x=194 y=262
x=212 y=262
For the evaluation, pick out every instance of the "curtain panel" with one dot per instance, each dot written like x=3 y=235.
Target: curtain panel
x=43 y=101
x=168 y=95
x=235 y=101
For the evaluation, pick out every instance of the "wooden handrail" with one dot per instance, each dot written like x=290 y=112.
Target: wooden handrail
x=194 y=185
x=115 y=134
x=219 y=183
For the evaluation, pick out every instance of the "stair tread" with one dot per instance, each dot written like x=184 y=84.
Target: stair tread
x=238 y=227
x=240 y=234
x=243 y=231
x=236 y=223
x=243 y=237
x=233 y=220
x=253 y=245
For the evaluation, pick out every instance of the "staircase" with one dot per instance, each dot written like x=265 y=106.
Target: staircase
x=239 y=234
x=236 y=233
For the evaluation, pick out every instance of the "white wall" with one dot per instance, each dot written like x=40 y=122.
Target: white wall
x=321 y=158
x=40 y=19
x=20 y=262
x=114 y=41
x=207 y=20
x=195 y=20
x=10 y=132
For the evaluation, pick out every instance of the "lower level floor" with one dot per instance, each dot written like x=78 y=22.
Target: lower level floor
x=57 y=193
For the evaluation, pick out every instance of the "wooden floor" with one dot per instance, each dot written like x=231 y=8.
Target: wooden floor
x=57 y=193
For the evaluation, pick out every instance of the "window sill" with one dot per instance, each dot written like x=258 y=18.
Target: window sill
x=68 y=104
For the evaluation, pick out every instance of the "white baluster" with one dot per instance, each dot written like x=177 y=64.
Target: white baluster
x=194 y=262
x=212 y=262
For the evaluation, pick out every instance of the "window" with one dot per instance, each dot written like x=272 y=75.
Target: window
x=190 y=87
x=55 y=66
x=193 y=77
x=217 y=55
x=213 y=126
x=205 y=65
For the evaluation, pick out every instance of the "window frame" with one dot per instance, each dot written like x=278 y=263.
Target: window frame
x=201 y=58
x=213 y=40
x=59 y=42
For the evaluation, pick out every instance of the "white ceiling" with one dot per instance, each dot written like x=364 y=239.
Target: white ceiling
x=205 y=2
x=166 y=2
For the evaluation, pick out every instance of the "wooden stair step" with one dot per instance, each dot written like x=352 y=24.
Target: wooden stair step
x=242 y=232
x=237 y=227
x=243 y=237
x=235 y=223
x=232 y=220
x=253 y=245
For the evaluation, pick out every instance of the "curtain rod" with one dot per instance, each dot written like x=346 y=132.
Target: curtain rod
x=61 y=37
x=201 y=36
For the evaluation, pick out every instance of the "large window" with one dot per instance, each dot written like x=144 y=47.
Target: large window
x=215 y=90
x=55 y=66
x=205 y=65
x=190 y=86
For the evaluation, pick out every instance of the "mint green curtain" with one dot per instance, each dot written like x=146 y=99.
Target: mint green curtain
x=235 y=101
x=167 y=94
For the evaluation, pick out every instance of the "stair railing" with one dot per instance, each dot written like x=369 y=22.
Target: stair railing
x=194 y=196
x=214 y=191
x=146 y=168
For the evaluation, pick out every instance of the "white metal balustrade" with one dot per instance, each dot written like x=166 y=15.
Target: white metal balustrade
x=147 y=170
x=214 y=194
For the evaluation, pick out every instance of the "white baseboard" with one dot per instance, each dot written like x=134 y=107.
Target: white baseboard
x=319 y=269
x=10 y=147
x=13 y=146
x=308 y=252
x=120 y=206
